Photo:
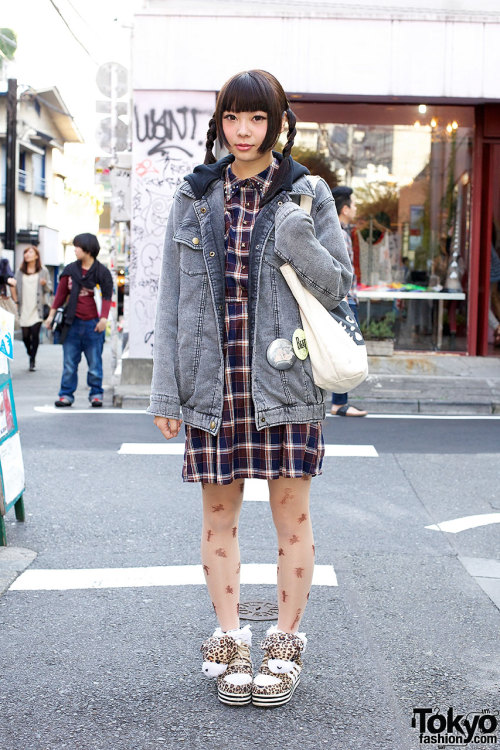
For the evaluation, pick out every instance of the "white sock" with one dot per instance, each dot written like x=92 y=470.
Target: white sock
x=239 y=634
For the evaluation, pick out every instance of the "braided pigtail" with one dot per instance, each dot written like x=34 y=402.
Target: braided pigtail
x=283 y=172
x=292 y=132
x=211 y=138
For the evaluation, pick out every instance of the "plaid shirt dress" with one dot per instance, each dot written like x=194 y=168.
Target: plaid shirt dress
x=239 y=450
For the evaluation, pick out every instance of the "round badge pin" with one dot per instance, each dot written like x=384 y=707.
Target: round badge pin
x=280 y=354
x=300 y=344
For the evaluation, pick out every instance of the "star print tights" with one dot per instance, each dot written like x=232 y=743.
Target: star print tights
x=220 y=553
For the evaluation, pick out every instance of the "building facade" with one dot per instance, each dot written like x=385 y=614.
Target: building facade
x=404 y=104
x=55 y=192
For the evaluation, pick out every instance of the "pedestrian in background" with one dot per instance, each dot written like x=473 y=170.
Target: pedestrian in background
x=345 y=204
x=8 y=284
x=223 y=352
x=33 y=286
x=82 y=285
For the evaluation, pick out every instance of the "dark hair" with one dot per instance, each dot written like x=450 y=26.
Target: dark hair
x=38 y=263
x=250 y=91
x=342 y=195
x=88 y=243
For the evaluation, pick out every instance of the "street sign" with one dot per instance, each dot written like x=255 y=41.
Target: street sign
x=11 y=458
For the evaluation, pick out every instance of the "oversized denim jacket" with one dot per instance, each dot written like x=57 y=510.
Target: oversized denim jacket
x=188 y=359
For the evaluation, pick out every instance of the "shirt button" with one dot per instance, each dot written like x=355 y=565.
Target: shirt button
x=212 y=425
x=196 y=241
x=262 y=419
x=203 y=210
x=243 y=244
x=211 y=254
x=245 y=222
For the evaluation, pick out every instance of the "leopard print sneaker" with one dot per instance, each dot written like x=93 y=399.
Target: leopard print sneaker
x=227 y=657
x=279 y=674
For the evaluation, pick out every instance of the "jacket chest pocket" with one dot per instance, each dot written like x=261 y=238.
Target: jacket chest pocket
x=191 y=259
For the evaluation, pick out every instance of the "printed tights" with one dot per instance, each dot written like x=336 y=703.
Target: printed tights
x=220 y=554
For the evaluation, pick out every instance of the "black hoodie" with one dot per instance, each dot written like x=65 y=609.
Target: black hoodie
x=204 y=174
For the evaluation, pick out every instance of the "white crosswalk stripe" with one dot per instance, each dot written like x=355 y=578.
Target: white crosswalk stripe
x=167 y=575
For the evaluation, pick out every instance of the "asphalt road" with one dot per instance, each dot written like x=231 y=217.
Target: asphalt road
x=115 y=668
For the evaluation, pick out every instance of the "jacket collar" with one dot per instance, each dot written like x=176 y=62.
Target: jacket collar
x=204 y=174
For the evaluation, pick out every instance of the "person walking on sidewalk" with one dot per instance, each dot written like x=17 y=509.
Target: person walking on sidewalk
x=223 y=353
x=8 y=286
x=83 y=284
x=346 y=209
x=33 y=284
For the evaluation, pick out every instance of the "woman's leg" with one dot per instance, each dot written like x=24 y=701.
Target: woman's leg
x=27 y=339
x=220 y=552
x=35 y=339
x=289 y=499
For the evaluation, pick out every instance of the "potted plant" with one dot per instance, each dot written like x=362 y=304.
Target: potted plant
x=379 y=335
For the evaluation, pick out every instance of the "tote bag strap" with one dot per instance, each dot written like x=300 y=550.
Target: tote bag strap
x=306 y=200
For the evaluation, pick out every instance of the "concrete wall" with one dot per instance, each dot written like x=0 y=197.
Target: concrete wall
x=422 y=55
x=168 y=141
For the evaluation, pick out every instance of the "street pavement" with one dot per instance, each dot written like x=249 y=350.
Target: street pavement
x=407 y=616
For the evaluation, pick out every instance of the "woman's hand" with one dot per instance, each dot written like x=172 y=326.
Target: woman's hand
x=48 y=322
x=168 y=427
x=43 y=282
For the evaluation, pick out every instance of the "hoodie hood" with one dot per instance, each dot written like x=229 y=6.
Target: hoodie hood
x=204 y=174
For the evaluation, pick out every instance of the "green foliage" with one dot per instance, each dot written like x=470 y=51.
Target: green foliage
x=379 y=329
x=317 y=163
x=8 y=44
x=378 y=199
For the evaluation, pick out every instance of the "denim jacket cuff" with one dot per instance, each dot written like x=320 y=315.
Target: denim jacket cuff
x=164 y=406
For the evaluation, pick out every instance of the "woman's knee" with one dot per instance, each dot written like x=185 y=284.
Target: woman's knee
x=221 y=509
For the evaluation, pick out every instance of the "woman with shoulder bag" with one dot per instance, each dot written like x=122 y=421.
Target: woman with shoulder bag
x=33 y=284
x=228 y=351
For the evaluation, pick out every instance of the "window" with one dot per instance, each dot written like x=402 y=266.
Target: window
x=410 y=171
x=22 y=171
x=38 y=163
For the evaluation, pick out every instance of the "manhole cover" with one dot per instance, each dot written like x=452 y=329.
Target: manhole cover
x=258 y=611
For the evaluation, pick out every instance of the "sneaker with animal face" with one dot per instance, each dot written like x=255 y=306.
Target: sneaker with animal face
x=227 y=657
x=279 y=674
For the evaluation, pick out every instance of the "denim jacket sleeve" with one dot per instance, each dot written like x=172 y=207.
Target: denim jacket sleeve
x=164 y=399
x=314 y=246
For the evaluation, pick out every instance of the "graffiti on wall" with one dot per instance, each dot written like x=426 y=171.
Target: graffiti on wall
x=168 y=142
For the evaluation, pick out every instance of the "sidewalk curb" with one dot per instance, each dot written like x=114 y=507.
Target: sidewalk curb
x=13 y=561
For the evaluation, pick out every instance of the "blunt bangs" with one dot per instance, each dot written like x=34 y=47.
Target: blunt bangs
x=252 y=91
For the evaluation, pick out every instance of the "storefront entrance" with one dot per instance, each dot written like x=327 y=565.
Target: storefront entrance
x=488 y=285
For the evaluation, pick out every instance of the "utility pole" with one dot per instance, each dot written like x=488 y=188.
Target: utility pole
x=10 y=178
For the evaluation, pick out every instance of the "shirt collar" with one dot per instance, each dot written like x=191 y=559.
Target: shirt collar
x=259 y=182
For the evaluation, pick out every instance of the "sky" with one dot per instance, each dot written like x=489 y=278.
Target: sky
x=48 y=54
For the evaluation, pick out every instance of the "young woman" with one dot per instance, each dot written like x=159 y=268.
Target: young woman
x=223 y=353
x=33 y=283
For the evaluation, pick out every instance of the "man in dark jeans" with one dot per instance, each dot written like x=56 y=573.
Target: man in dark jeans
x=84 y=327
x=346 y=209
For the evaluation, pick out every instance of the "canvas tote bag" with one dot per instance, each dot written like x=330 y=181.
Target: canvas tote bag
x=336 y=346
